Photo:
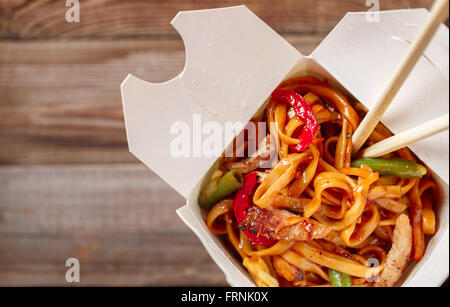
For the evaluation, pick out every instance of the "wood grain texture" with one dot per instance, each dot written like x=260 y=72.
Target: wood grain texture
x=113 y=18
x=61 y=103
x=118 y=260
x=118 y=220
x=60 y=108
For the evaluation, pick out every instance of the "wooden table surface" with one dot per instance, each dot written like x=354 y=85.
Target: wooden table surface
x=68 y=185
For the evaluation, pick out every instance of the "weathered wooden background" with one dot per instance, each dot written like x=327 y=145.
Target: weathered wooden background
x=68 y=185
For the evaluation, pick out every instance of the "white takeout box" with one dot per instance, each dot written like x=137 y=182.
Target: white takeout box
x=234 y=61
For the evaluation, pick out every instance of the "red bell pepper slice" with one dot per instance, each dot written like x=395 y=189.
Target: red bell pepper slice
x=242 y=202
x=304 y=113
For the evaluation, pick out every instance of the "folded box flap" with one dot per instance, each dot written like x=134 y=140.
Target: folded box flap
x=233 y=62
x=363 y=56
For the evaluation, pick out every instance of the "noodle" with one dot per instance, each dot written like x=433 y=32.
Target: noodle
x=335 y=262
x=280 y=177
x=326 y=214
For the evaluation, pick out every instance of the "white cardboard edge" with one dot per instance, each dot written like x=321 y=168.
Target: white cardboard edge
x=122 y=85
x=434 y=268
x=423 y=272
x=366 y=70
x=233 y=60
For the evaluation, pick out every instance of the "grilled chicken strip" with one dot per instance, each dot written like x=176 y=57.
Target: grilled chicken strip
x=295 y=204
x=278 y=224
x=398 y=256
x=249 y=164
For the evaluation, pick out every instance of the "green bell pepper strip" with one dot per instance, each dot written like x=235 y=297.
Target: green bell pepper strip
x=393 y=167
x=339 y=279
x=216 y=191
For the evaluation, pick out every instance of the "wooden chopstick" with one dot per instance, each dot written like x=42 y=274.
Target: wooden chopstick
x=439 y=14
x=407 y=137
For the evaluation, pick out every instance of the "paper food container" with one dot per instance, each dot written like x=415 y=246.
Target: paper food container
x=233 y=63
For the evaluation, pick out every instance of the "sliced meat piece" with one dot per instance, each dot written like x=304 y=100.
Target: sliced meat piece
x=399 y=255
x=289 y=272
x=249 y=164
x=295 y=204
x=278 y=224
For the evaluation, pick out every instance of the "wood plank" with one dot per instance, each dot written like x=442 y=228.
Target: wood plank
x=118 y=220
x=113 y=18
x=119 y=260
x=61 y=103
x=62 y=100
x=40 y=199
